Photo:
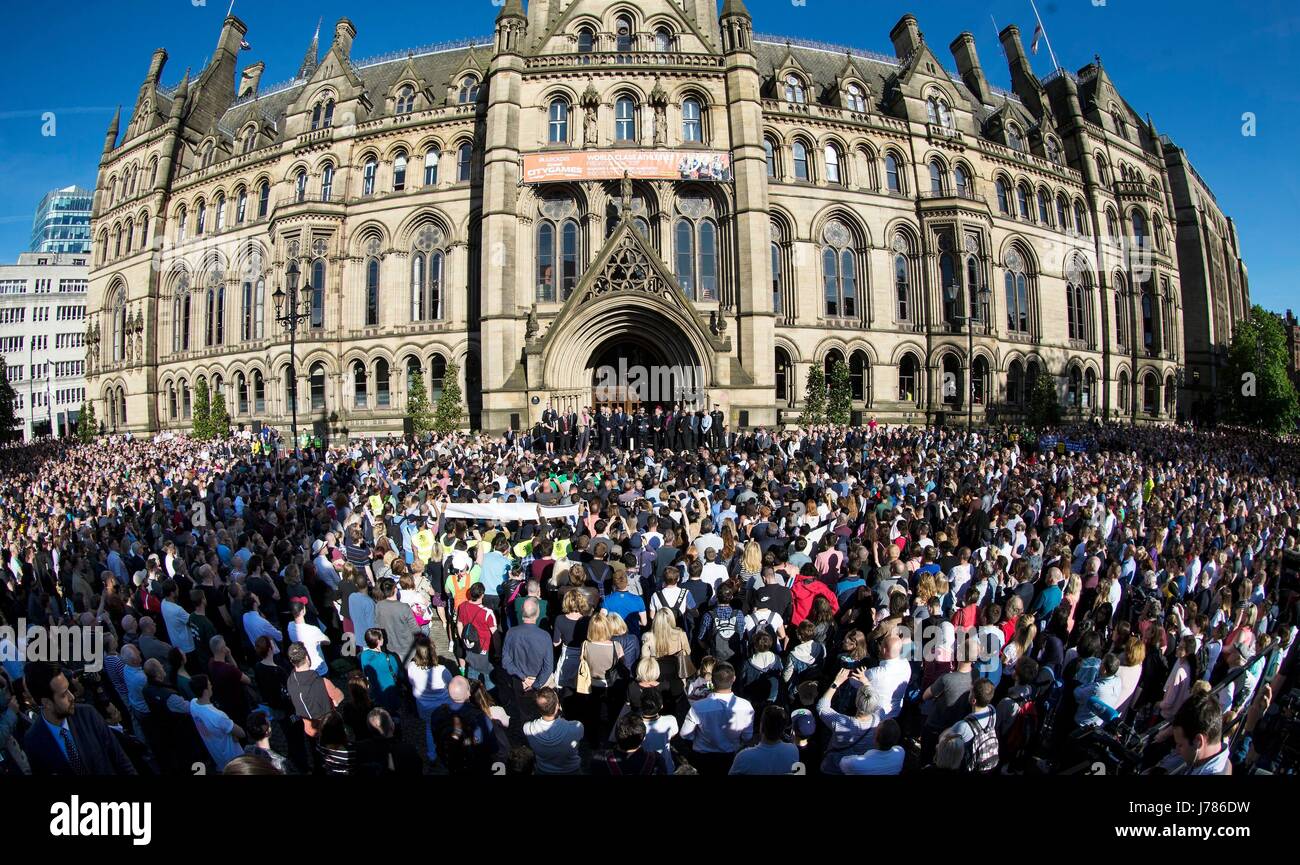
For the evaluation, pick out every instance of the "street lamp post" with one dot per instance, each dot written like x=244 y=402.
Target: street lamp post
x=289 y=315
x=969 y=320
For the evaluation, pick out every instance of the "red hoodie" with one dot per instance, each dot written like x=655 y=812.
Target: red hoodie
x=804 y=591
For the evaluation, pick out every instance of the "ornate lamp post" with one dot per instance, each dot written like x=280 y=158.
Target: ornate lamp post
x=289 y=313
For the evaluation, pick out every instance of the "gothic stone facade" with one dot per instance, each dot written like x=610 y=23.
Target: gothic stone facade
x=945 y=239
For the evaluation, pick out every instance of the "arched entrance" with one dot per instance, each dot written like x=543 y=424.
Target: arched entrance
x=631 y=371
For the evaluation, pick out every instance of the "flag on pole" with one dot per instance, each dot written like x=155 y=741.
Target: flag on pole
x=1038 y=34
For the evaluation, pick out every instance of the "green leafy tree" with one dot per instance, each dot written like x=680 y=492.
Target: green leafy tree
x=449 y=411
x=202 y=426
x=814 y=401
x=86 y=429
x=1044 y=402
x=1261 y=393
x=219 y=417
x=8 y=420
x=418 y=407
x=839 y=404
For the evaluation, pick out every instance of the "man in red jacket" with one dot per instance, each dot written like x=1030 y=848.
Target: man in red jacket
x=805 y=590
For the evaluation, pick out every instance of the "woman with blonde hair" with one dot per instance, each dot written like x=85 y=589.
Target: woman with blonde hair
x=1020 y=646
x=1130 y=673
x=750 y=571
x=672 y=651
x=601 y=656
x=568 y=634
x=1070 y=599
x=646 y=678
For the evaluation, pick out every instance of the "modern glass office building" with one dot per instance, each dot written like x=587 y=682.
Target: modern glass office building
x=62 y=221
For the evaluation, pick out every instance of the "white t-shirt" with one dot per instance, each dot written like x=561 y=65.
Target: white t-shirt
x=214 y=727
x=311 y=637
x=889 y=681
x=767 y=618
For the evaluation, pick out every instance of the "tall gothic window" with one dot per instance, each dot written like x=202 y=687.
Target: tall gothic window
x=431 y=166
x=833 y=165
x=399 y=171
x=892 y=175
x=1017 y=293
x=468 y=90
x=368 y=172
x=794 y=89
x=263 y=199
x=558 y=127
x=692 y=122
x=327 y=182
x=406 y=99
x=318 y=293
x=464 y=162
x=372 y=292
x=299 y=186
x=359 y=385
x=427 y=261
x=839 y=272
x=625 y=119
x=696 y=255
x=769 y=153
x=801 y=161
x=557 y=259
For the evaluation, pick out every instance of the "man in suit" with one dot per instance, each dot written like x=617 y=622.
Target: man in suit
x=396 y=620
x=620 y=428
x=571 y=437
x=683 y=429
x=68 y=739
x=549 y=419
x=657 y=427
x=605 y=426
x=642 y=429
x=719 y=434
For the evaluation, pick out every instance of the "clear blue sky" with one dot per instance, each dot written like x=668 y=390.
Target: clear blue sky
x=1195 y=65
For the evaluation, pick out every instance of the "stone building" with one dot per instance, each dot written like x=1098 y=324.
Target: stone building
x=606 y=184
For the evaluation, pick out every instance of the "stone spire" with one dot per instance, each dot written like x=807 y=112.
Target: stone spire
x=312 y=58
x=110 y=137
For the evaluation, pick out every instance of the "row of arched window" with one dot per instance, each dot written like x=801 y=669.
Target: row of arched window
x=202 y=217
x=624 y=38
x=627 y=111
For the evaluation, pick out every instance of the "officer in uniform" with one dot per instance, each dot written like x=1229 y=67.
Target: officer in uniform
x=642 y=429
x=605 y=425
x=719 y=433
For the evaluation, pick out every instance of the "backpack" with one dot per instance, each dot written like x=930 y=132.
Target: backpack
x=469 y=637
x=982 y=752
x=1023 y=732
x=681 y=600
x=726 y=634
x=765 y=625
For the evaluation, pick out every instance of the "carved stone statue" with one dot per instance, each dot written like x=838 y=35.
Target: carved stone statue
x=625 y=189
x=590 y=127
x=531 y=326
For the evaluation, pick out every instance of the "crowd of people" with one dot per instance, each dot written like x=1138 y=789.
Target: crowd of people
x=878 y=600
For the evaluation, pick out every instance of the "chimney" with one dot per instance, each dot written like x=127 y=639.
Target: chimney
x=156 y=65
x=232 y=37
x=344 y=33
x=907 y=37
x=1011 y=45
x=249 y=79
x=968 y=66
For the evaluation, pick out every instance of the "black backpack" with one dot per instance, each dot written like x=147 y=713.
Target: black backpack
x=727 y=637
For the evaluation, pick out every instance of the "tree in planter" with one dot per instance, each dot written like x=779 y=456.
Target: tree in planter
x=1044 y=402
x=202 y=426
x=8 y=420
x=814 y=401
x=418 y=407
x=219 y=417
x=447 y=415
x=839 y=404
x=86 y=429
x=1261 y=394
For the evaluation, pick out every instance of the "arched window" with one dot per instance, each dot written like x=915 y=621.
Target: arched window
x=1139 y=229
x=953 y=387
x=692 y=120
x=382 y=391
x=1004 y=198
x=200 y=217
x=328 y=120
x=413 y=368
x=696 y=255
x=1149 y=337
x=250 y=139
x=1044 y=208
x=801 y=161
x=856 y=99
x=1017 y=294
x=437 y=374
x=399 y=171
x=1081 y=219
x=833 y=357
x=468 y=90
x=431 y=166
x=1074 y=388
x=1014 y=141
x=372 y=292
x=794 y=89
x=1089 y=388
x=219 y=211
x=186 y=407
x=316 y=381
x=859 y=374
x=182 y=223
x=1103 y=171
x=464 y=162
x=783 y=390
x=263 y=199
x=937 y=112
x=368 y=173
x=1053 y=151
x=326 y=183
x=1062 y=213
x=241 y=205
x=171 y=401
x=1015 y=383
x=936 y=178
x=962 y=181
x=777 y=273
x=769 y=151
x=892 y=176
x=558 y=127
x=118 y=306
x=557 y=259
x=840 y=281
x=625 y=119
x=902 y=287
x=623 y=33
x=586 y=40
x=663 y=39
x=1123 y=406
x=181 y=316
x=259 y=392
x=241 y=394
x=1076 y=310
x=949 y=286
x=908 y=368
x=406 y=99
x=426 y=284
x=979 y=381
x=1150 y=394
x=1022 y=200
x=833 y=165
x=299 y=187
x=318 y=293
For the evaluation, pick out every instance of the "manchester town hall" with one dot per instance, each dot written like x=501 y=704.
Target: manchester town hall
x=605 y=183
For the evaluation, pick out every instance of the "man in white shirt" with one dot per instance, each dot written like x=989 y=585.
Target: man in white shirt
x=325 y=569
x=719 y=724
x=309 y=635
x=176 y=619
x=715 y=573
x=256 y=625
x=885 y=757
x=218 y=732
x=889 y=679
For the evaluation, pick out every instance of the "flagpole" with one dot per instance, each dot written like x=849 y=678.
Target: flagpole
x=1046 y=38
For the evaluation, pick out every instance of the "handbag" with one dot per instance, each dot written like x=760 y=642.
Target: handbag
x=584 y=673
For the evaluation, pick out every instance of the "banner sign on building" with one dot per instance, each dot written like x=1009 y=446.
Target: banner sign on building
x=568 y=166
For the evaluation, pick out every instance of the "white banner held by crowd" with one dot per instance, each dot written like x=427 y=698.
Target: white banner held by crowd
x=507 y=511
